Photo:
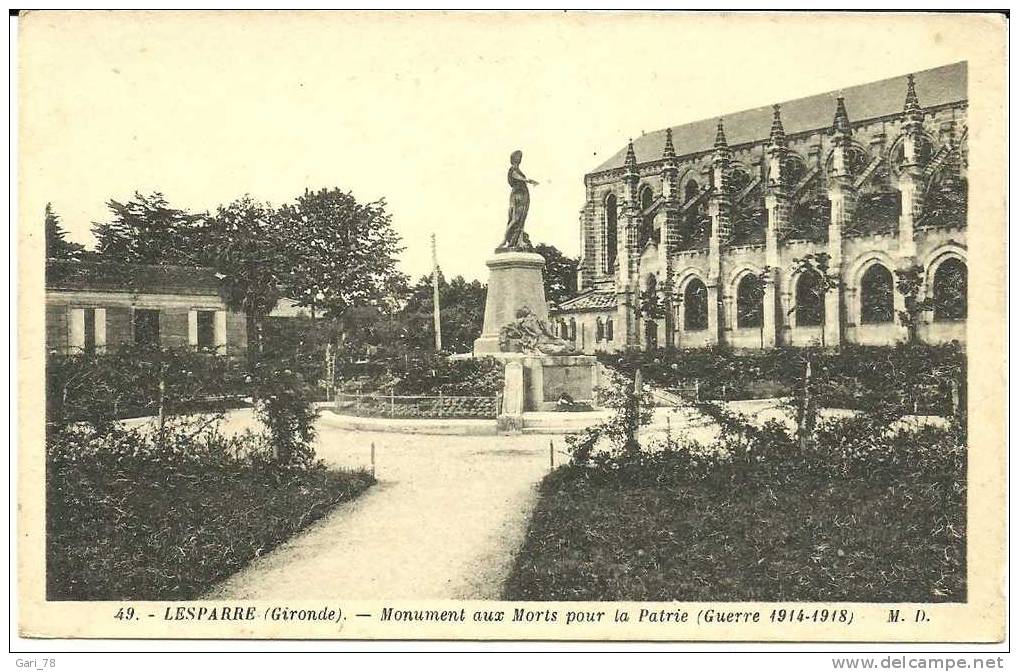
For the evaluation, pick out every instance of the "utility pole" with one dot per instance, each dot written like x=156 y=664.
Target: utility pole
x=435 y=297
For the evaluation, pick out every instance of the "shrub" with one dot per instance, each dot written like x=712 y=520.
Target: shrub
x=898 y=380
x=431 y=374
x=283 y=404
x=129 y=516
x=125 y=382
x=633 y=408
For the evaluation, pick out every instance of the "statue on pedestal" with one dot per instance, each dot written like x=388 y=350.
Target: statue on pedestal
x=531 y=335
x=515 y=239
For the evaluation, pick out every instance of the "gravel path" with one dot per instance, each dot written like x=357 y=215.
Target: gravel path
x=445 y=521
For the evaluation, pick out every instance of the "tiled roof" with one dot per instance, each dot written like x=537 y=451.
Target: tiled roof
x=133 y=278
x=937 y=86
x=593 y=300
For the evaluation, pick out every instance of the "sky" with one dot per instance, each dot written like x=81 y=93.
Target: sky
x=420 y=109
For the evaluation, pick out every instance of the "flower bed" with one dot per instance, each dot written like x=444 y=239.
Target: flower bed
x=381 y=406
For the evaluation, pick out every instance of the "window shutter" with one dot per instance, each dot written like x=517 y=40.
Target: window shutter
x=193 y=328
x=76 y=330
x=221 y=330
x=100 y=329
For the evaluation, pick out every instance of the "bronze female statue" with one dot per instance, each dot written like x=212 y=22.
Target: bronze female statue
x=520 y=201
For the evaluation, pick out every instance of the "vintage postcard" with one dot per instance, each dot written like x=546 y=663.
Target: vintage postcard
x=643 y=326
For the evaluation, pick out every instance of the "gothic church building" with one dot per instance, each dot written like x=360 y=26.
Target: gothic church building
x=793 y=224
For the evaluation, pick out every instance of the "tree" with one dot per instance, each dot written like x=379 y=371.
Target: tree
x=242 y=242
x=339 y=253
x=559 y=274
x=461 y=312
x=146 y=230
x=758 y=294
x=909 y=283
x=57 y=245
x=819 y=264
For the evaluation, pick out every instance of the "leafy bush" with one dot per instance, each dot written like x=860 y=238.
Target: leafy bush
x=283 y=404
x=429 y=375
x=633 y=408
x=130 y=515
x=125 y=382
x=904 y=379
x=871 y=512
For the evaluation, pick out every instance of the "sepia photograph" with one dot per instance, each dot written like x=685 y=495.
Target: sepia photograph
x=457 y=315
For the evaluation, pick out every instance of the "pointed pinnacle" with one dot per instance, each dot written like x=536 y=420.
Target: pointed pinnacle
x=912 y=107
x=631 y=157
x=777 y=131
x=840 y=126
x=720 y=136
x=670 y=152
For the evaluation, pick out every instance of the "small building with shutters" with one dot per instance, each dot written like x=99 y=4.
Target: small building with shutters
x=93 y=306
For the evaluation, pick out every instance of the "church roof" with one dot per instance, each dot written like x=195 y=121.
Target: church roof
x=934 y=87
x=593 y=300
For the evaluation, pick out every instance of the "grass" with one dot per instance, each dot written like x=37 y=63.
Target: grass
x=151 y=533
x=606 y=537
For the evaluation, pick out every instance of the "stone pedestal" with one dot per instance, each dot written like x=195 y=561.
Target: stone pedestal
x=534 y=382
x=511 y=415
x=514 y=282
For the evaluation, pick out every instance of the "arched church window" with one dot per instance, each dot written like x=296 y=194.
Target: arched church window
x=950 y=283
x=794 y=169
x=690 y=191
x=876 y=298
x=599 y=330
x=749 y=302
x=611 y=234
x=608 y=329
x=645 y=199
x=809 y=299
x=573 y=329
x=695 y=306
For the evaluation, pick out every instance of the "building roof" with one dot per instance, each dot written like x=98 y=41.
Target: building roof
x=132 y=278
x=934 y=87
x=593 y=300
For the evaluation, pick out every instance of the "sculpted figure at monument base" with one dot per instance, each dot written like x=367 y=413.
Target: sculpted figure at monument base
x=532 y=335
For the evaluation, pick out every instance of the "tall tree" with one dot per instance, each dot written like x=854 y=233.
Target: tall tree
x=559 y=274
x=242 y=242
x=909 y=283
x=462 y=313
x=819 y=263
x=339 y=253
x=146 y=230
x=57 y=245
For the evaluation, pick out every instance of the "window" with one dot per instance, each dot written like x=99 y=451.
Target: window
x=749 y=302
x=599 y=330
x=950 y=284
x=695 y=306
x=651 y=334
x=809 y=300
x=206 y=329
x=690 y=191
x=573 y=329
x=87 y=330
x=611 y=234
x=876 y=300
x=647 y=196
x=608 y=329
x=146 y=326
x=90 y=331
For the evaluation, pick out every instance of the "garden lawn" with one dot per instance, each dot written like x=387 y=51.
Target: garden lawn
x=151 y=533
x=805 y=539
